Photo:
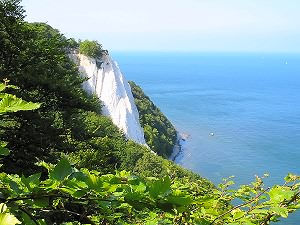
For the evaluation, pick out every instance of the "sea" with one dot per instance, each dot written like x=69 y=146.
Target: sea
x=239 y=112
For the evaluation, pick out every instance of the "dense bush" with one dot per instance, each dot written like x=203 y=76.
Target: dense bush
x=90 y=48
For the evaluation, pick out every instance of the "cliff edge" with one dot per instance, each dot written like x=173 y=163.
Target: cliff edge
x=109 y=84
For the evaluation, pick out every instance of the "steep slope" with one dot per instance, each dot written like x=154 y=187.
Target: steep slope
x=108 y=83
x=160 y=134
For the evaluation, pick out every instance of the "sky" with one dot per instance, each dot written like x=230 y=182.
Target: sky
x=175 y=25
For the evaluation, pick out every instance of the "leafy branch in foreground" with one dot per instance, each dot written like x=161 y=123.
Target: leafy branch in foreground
x=11 y=103
x=70 y=195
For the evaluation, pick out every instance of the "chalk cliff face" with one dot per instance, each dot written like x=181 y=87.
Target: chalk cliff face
x=108 y=83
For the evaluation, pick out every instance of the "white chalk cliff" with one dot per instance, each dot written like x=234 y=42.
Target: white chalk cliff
x=109 y=84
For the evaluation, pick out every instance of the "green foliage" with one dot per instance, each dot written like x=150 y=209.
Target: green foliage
x=90 y=48
x=34 y=56
x=3 y=151
x=160 y=134
x=10 y=103
x=7 y=218
x=72 y=44
x=71 y=196
x=153 y=191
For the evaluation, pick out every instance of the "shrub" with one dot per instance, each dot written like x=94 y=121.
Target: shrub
x=90 y=48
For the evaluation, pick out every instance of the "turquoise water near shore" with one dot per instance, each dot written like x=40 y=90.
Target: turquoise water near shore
x=249 y=101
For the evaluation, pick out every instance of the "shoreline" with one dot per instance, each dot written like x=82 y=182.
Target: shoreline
x=178 y=148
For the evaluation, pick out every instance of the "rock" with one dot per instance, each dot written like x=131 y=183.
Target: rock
x=109 y=84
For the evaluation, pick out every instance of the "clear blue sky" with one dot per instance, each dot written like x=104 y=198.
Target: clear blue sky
x=176 y=25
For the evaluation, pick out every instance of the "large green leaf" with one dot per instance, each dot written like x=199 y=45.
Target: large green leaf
x=27 y=220
x=160 y=187
x=11 y=103
x=283 y=212
x=94 y=181
x=278 y=194
x=4 y=151
x=7 y=218
x=31 y=181
x=179 y=200
x=61 y=170
x=2 y=86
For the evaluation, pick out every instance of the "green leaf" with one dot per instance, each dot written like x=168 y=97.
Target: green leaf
x=260 y=211
x=41 y=202
x=94 y=182
x=31 y=181
x=47 y=166
x=203 y=222
x=278 y=194
x=140 y=188
x=27 y=220
x=41 y=222
x=283 y=212
x=8 y=219
x=11 y=103
x=290 y=177
x=79 y=193
x=160 y=187
x=3 y=86
x=15 y=187
x=61 y=170
x=4 y=151
x=3 y=208
x=133 y=196
x=152 y=222
x=179 y=200
x=237 y=214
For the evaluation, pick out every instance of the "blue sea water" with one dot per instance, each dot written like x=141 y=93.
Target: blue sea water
x=249 y=101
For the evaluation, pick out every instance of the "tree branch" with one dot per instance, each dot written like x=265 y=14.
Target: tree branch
x=31 y=216
x=269 y=216
x=239 y=206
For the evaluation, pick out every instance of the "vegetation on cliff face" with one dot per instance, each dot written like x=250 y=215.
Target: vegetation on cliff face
x=63 y=162
x=160 y=134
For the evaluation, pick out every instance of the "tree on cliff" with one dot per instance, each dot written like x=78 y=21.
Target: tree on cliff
x=90 y=48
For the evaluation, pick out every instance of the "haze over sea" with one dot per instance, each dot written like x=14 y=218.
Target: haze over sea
x=249 y=101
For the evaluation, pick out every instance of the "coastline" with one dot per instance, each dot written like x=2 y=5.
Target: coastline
x=178 y=148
